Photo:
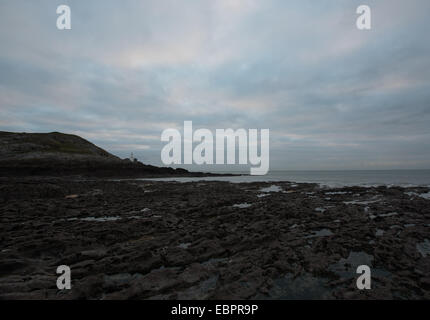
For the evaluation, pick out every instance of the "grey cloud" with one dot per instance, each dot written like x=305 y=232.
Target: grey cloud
x=332 y=96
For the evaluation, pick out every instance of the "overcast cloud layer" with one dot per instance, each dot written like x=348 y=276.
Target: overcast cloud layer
x=332 y=96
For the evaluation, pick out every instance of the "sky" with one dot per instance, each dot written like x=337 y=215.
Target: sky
x=333 y=97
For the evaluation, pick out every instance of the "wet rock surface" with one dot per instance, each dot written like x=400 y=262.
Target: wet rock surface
x=198 y=240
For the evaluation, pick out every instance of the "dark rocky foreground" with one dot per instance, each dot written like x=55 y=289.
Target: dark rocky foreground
x=211 y=240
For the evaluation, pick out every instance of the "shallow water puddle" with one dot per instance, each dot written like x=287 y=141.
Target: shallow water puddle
x=337 y=192
x=422 y=195
x=379 y=233
x=363 y=202
x=216 y=261
x=347 y=268
x=272 y=188
x=184 y=245
x=383 y=215
x=320 y=233
x=106 y=219
x=97 y=219
x=242 y=205
x=424 y=248
x=388 y=214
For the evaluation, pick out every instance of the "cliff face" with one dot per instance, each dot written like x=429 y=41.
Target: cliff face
x=59 y=154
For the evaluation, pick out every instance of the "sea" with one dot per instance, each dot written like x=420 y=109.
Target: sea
x=404 y=178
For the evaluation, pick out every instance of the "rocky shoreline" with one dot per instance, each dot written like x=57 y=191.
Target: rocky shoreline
x=211 y=240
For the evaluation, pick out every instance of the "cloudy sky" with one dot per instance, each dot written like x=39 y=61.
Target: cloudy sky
x=333 y=97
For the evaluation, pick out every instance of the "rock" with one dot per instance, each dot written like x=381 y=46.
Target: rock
x=193 y=245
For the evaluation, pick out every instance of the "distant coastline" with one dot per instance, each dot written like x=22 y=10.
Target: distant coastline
x=330 y=178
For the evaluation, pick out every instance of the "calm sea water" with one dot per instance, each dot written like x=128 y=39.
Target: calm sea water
x=331 y=178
